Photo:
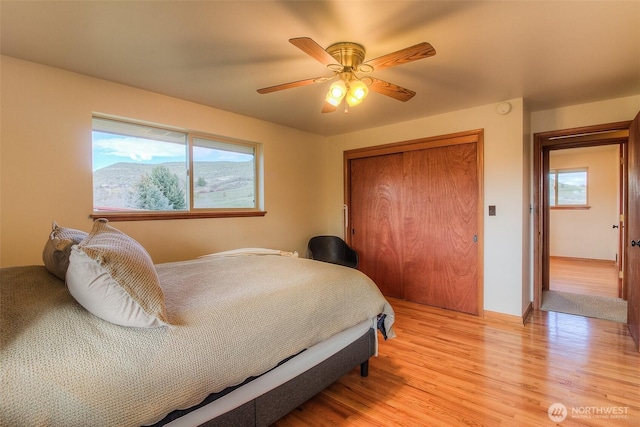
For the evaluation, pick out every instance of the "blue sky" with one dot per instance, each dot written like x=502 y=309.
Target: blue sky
x=573 y=178
x=109 y=149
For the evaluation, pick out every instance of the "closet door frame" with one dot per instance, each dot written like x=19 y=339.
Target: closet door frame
x=473 y=136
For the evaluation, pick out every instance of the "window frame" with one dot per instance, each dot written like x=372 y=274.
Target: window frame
x=192 y=212
x=554 y=190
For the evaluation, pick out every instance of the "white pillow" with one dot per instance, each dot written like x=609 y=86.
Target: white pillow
x=113 y=277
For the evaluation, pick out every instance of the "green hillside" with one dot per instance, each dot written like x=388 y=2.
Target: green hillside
x=217 y=184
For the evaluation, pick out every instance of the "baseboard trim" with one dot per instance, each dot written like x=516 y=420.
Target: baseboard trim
x=509 y=318
x=528 y=312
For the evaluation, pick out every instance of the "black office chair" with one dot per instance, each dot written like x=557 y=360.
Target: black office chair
x=332 y=249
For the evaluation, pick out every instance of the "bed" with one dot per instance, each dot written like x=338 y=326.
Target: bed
x=242 y=338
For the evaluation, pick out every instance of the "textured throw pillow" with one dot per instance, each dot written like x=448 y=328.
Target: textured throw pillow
x=58 y=248
x=113 y=277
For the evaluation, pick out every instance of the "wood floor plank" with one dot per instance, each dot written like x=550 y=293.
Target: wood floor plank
x=583 y=276
x=448 y=369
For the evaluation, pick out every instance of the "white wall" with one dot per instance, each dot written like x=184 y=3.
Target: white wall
x=504 y=168
x=588 y=233
x=45 y=156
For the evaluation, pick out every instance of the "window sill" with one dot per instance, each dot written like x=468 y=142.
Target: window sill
x=566 y=208
x=154 y=216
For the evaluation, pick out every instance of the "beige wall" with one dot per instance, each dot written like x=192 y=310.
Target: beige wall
x=45 y=156
x=508 y=252
x=526 y=298
x=504 y=175
x=588 y=233
x=45 y=171
x=593 y=113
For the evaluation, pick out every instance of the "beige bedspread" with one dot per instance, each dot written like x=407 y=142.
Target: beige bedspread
x=233 y=317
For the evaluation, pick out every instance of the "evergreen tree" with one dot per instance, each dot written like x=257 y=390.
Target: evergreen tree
x=148 y=196
x=169 y=184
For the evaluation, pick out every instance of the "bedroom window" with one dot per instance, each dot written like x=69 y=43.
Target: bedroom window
x=568 y=188
x=145 y=171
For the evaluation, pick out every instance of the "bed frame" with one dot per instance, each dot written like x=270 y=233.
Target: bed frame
x=278 y=402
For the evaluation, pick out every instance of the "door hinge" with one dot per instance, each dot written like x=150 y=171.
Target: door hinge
x=621 y=217
x=620 y=274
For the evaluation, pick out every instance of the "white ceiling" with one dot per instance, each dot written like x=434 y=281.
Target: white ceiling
x=217 y=53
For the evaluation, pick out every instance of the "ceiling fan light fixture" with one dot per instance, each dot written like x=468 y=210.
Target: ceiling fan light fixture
x=357 y=92
x=331 y=100
x=353 y=101
x=344 y=60
x=337 y=91
x=365 y=68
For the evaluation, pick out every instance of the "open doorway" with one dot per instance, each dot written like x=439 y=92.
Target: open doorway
x=580 y=201
x=584 y=210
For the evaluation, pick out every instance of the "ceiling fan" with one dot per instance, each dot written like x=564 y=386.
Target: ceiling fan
x=346 y=61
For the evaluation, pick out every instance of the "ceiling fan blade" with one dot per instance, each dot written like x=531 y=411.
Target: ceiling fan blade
x=313 y=49
x=329 y=108
x=389 y=89
x=409 y=54
x=292 y=85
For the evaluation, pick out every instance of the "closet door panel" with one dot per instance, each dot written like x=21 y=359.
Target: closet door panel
x=376 y=224
x=440 y=222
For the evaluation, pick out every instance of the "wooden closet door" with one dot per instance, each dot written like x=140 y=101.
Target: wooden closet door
x=441 y=227
x=376 y=222
x=632 y=262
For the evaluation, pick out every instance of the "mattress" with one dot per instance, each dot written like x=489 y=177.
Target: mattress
x=231 y=318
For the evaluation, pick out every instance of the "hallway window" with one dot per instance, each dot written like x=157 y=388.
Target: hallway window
x=568 y=187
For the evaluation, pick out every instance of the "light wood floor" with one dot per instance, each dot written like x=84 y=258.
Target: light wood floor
x=580 y=276
x=451 y=369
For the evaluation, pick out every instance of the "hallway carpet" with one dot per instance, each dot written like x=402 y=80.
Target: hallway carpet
x=607 y=308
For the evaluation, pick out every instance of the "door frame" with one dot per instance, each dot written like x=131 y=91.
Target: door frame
x=623 y=209
x=544 y=142
x=472 y=136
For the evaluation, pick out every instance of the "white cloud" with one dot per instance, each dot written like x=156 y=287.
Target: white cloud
x=202 y=154
x=137 y=148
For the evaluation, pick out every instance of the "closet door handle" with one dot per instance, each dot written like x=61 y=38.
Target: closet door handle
x=635 y=243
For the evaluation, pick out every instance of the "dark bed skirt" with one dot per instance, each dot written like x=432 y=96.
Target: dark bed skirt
x=273 y=405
